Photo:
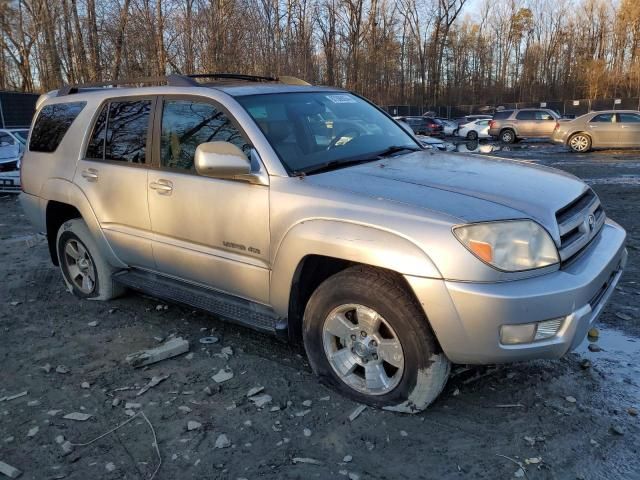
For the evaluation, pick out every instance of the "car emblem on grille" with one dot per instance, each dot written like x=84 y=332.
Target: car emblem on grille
x=591 y=221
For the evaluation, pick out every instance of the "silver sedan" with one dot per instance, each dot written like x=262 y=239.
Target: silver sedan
x=604 y=129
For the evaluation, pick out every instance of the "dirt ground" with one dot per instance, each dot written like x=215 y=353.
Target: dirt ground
x=557 y=418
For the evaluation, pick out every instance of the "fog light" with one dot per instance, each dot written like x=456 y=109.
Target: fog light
x=530 y=332
x=512 y=334
x=548 y=328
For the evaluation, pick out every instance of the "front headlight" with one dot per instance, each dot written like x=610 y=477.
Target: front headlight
x=512 y=246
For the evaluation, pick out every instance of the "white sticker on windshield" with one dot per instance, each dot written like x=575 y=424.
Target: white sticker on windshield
x=341 y=99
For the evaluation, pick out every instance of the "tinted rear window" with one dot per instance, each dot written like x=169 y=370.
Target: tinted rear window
x=526 y=115
x=502 y=115
x=52 y=124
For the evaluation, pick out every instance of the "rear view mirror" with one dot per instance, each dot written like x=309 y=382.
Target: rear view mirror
x=221 y=159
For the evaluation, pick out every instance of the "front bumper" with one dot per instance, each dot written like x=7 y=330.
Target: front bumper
x=467 y=316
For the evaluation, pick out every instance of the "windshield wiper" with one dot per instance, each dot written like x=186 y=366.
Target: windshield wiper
x=346 y=162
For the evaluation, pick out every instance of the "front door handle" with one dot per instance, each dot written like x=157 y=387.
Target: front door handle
x=91 y=174
x=163 y=187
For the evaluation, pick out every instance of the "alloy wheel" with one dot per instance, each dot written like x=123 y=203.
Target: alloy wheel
x=579 y=143
x=363 y=349
x=79 y=265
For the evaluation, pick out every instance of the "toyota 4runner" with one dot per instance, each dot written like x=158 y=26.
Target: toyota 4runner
x=308 y=212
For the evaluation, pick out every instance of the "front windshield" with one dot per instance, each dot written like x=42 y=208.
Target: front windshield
x=21 y=135
x=312 y=129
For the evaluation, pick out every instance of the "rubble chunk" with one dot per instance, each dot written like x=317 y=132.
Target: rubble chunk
x=261 y=400
x=356 y=413
x=193 y=425
x=222 y=441
x=9 y=471
x=222 y=376
x=310 y=461
x=171 y=348
x=77 y=416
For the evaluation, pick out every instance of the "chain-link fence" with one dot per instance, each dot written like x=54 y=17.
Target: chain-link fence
x=569 y=108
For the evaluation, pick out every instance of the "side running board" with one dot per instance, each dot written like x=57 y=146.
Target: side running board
x=234 y=309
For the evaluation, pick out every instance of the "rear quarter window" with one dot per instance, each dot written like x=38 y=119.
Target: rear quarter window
x=52 y=124
x=502 y=115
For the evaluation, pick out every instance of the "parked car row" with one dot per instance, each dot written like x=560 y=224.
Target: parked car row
x=602 y=129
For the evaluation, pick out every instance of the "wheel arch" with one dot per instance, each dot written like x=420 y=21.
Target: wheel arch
x=316 y=249
x=576 y=132
x=64 y=201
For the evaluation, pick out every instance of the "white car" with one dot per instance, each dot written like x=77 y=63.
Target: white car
x=474 y=130
x=449 y=127
x=12 y=145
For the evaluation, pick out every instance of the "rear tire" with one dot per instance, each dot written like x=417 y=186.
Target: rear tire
x=472 y=135
x=366 y=337
x=507 y=136
x=85 y=271
x=579 y=142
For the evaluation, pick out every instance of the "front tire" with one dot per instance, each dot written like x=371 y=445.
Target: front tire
x=366 y=337
x=580 y=142
x=85 y=271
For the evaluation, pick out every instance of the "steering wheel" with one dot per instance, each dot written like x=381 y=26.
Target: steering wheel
x=343 y=133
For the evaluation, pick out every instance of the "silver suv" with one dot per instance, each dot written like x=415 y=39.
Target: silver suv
x=308 y=212
x=511 y=125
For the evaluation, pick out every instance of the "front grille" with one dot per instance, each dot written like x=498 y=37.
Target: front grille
x=579 y=222
x=9 y=166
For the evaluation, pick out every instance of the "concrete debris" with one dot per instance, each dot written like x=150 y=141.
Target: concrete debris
x=302 y=413
x=115 y=402
x=310 y=461
x=129 y=413
x=53 y=413
x=62 y=369
x=110 y=466
x=247 y=423
x=13 y=397
x=306 y=432
x=356 y=413
x=189 y=356
x=227 y=351
x=85 y=385
x=347 y=458
x=154 y=381
x=354 y=476
x=66 y=445
x=93 y=324
x=9 y=439
x=192 y=425
x=275 y=408
x=222 y=441
x=207 y=390
x=255 y=391
x=632 y=411
x=171 y=348
x=79 y=417
x=33 y=403
x=533 y=460
x=403 y=433
x=208 y=340
x=9 y=471
x=623 y=316
x=570 y=399
x=184 y=409
x=222 y=376
x=33 y=432
x=325 y=399
x=307 y=403
x=530 y=440
x=14 y=303
x=261 y=400
x=593 y=347
x=617 y=430
x=47 y=367
x=132 y=405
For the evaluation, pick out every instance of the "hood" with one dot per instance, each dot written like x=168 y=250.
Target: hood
x=467 y=187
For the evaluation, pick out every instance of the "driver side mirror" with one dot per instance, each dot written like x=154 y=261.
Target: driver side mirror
x=221 y=160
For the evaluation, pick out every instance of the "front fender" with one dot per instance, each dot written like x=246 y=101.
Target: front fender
x=346 y=241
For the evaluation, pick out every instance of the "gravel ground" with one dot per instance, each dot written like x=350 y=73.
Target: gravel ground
x=556 y=418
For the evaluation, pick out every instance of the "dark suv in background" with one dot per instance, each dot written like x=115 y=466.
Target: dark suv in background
x=425 y=126
x=511 y=125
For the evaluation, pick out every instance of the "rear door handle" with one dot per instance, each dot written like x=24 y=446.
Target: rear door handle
x=163 y=187
x=91 y=174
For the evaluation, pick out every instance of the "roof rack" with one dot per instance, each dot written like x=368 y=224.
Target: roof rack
x=176 y=80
